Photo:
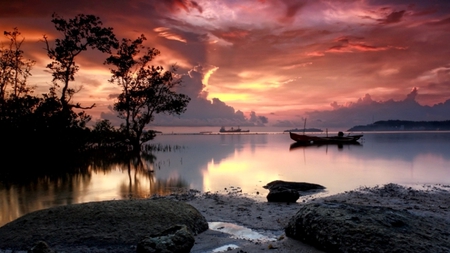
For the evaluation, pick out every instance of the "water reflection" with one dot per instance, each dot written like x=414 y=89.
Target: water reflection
x=340 y=146
x=103 y=178
x=240 y=232
x=215 y=162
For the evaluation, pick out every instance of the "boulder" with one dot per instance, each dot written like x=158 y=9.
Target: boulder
x=282 y=191
x=112 y=226
x=176 y=239
x=280 y=194
x=298 y=186
x=41 y=247
x=343 y=227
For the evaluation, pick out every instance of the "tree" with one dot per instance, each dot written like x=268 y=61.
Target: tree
x=146 y=89
x=14 y=69
x=79 y=34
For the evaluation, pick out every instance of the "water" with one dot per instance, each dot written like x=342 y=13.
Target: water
x=243 y=162
x=240 y=232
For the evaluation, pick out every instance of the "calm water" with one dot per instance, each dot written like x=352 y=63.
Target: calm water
x=215 y=162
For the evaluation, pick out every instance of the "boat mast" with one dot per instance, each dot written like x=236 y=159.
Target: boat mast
x=304 y=127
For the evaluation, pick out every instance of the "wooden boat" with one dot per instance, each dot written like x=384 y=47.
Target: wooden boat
x=339 y=139
x=233 y=130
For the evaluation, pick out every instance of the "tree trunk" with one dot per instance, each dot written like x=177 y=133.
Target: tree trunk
x=136 y=145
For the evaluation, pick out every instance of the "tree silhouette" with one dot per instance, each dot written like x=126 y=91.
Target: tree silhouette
x=146 y=89
x=14 y=69
x=79 y=34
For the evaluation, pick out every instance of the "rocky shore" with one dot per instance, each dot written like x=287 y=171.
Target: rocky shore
x=389 y=218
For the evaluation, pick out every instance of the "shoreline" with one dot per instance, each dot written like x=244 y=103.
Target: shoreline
x=269 y=219
x=234 y=212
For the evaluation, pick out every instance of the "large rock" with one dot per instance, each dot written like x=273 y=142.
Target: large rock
x=298 y=186
x=280 y=194
x=176 y=239
x=41 y=247
x=343 y=227
x=114 y=226
x=282 y=191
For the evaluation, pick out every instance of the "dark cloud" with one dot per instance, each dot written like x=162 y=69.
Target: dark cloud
x=366 y=111
x=284 y=123
x=69 y=8
x=200 y=111
x=346 y=45
x=412 y=95
x=178 y=5
x=258 y=120
x=268 y=57
x=293 y=7
x=393 y=17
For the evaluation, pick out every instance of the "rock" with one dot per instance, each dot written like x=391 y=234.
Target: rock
x=280 y=194
x=112 y=226
x=298 y=186
x=343 y=227
x=282 y=191
x=176 y=239
x=41 y=247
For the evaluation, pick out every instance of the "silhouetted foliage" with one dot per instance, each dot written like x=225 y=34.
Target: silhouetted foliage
x=79 y=34
x=48 y=135
x=35 y=129
x=14 y=69
x=146 y=90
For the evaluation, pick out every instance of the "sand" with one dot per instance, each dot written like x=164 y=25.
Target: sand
x=247 y=223
x=269 y=219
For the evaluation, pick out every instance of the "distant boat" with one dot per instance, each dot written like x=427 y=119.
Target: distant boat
x=311 y=139
x=233 y=130
x=303 y=130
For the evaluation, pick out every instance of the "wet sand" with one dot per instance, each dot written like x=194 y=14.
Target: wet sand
x=269 y=219
x=237 y=212
x=242 y=223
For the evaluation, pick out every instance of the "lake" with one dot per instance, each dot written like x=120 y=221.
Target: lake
x=247 y=162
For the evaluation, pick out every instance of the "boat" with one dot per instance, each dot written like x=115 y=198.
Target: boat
x=311 y=139
x=233 y=130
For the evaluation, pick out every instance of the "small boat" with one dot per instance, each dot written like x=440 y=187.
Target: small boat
x=233 y=130
x=339 y=139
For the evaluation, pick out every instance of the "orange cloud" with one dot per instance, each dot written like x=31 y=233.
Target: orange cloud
x=165 y=33
x=235 y=34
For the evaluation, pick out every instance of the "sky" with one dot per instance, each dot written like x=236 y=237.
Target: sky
x=336 y=63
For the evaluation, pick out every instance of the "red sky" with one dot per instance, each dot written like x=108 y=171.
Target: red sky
x=280 y=59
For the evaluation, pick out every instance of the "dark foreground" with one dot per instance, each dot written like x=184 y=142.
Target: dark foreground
x=333 y=230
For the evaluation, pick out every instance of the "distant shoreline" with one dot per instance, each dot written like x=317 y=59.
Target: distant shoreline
x=404 y=125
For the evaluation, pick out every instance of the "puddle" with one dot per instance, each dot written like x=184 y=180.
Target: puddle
x=225 y=248
x=239 y=232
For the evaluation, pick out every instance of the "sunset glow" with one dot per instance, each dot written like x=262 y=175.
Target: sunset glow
x=281 y=59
